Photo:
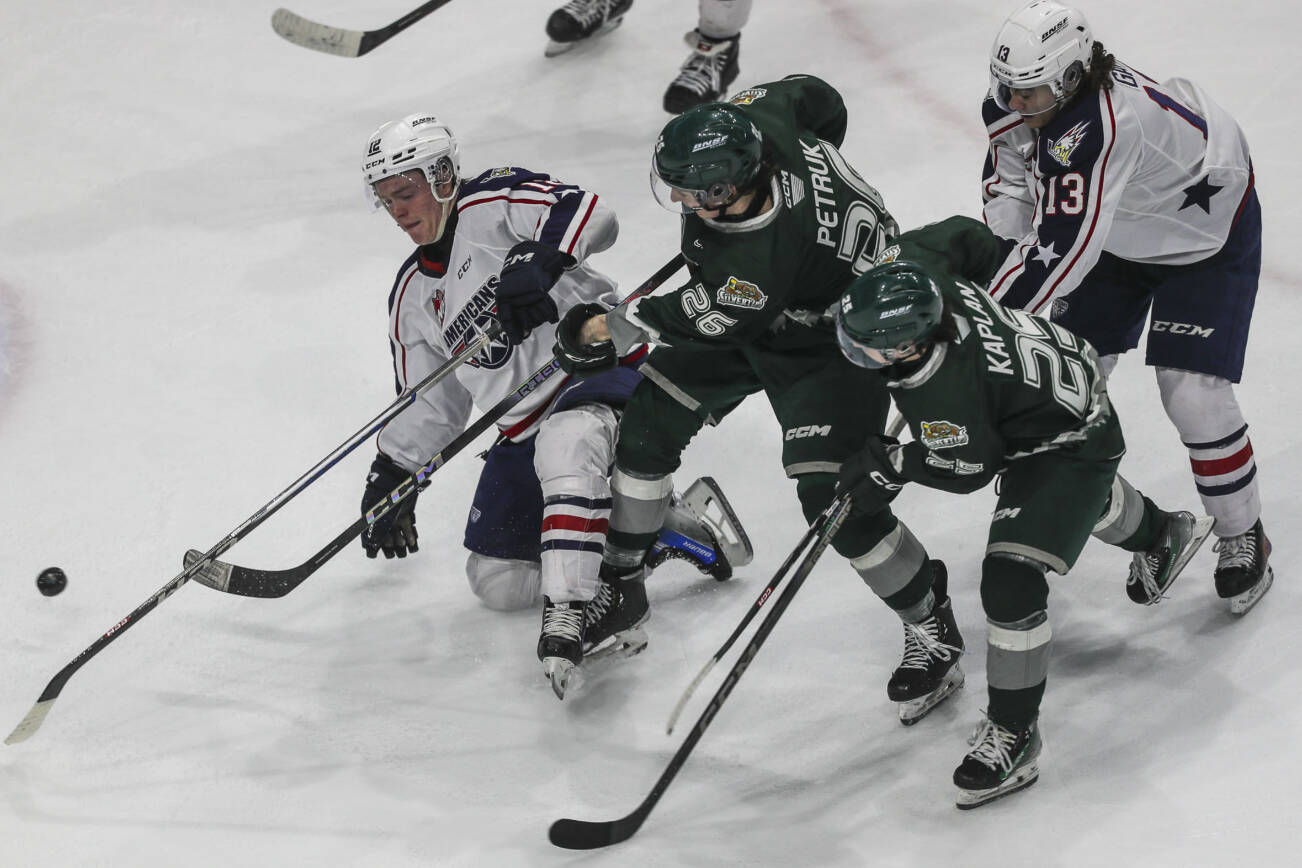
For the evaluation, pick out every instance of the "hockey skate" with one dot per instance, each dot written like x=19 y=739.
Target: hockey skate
x=1154 y=571
x=580 y=20
x=614 y=620
x=930 y=670
x=1243 y=572
x=1002 y=761
x=706 y=73
x=702 y=528
x=560 y=647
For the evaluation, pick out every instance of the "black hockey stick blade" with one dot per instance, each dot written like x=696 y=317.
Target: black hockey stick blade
x=590 y=834
x=340 y=41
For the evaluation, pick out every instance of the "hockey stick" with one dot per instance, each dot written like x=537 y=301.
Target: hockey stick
x=589 y=835
x=750 y=616
x=337 y=40
x=252 y=582
x=32 y=722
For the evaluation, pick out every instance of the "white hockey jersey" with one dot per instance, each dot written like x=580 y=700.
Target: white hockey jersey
x=1149 y=172
x=445 y=292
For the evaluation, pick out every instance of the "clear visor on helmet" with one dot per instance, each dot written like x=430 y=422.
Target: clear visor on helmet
x=865 y=356
x=689 y=200
x=441 y=179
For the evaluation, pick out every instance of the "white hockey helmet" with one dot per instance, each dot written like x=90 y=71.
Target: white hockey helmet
x=419 y=141
x=1044 y=42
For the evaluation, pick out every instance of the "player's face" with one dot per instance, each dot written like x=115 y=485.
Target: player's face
x=1036 y=105
x=691 y=203
x=411 y=203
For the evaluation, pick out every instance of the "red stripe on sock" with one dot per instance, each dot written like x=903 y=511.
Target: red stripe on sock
x=560 y=521
x=1228 y=464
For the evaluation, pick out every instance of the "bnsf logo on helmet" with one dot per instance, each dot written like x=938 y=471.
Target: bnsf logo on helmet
x=712 y=143
x=895 y=311
x=428 y=120
x=1052 y=30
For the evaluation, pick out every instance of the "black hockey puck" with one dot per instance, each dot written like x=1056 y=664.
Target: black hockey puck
x=52 y=581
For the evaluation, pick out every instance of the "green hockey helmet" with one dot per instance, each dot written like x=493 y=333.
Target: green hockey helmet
x=705 y=158
x=892 y=310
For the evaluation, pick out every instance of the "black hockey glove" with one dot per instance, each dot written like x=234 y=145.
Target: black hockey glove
x=577 y=359
x=530 y=271
x=393 y=533
x=868 y=477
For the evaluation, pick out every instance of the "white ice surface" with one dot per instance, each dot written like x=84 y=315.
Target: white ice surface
x=192 y=312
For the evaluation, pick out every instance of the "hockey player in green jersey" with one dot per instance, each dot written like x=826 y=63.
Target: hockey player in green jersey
x=991 y=391
x=775 y=225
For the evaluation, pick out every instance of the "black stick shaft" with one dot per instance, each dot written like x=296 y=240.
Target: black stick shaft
x=588 y=835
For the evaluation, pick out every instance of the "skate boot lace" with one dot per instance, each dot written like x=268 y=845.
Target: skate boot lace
x=601 y=603
x=588 y=12
x=702 y=74
x=1236 y=552
x=563 y=621
x=1143 y=570
x=922 y=645
x=992 y=745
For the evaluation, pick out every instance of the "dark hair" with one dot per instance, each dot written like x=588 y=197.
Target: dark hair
x=947 y=331
x=1100 y=75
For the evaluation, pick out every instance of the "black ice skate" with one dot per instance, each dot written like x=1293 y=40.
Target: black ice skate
x=706 y=73
x=702 y=528
x=1243 y=572
x=1002 y=761
x=560 y=647
x=615 y=618
x=1153 y=572
x=580 y=20
x=930 y=671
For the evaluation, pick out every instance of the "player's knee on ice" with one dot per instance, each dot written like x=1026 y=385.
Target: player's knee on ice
x=505 y=585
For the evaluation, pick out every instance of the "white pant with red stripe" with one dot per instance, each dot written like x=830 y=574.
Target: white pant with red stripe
x=1206 y=413
x=573 y=456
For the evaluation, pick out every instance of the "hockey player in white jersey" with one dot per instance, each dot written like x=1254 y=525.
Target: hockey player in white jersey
x=511 y=245
x=1118 y=192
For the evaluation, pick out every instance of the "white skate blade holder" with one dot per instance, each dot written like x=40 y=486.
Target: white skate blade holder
x=568 y=680
x=915 y=710
x=1240 y=604
x=704 y=498
x=554 y=48
x=1018 y=780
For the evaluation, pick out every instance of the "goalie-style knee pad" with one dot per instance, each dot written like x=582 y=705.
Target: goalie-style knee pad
x=505 y=585
x=1013 y=587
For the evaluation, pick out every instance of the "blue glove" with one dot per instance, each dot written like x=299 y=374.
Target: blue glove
x=393 y=533
x=869 y=478
x=531 y=269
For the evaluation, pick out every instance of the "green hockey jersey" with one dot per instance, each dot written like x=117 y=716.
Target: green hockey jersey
x=1010 y=385
x=772 y=278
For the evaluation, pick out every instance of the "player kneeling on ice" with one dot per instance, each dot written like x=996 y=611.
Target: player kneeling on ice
x=991 y=391
x=509 y=245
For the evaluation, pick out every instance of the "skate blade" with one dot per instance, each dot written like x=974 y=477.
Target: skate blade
x=563 y=675
x=554 y=48
x=704 y=498
x=1019 y=780
x=618 y=646
x=1240 y=604
x=915 y=710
